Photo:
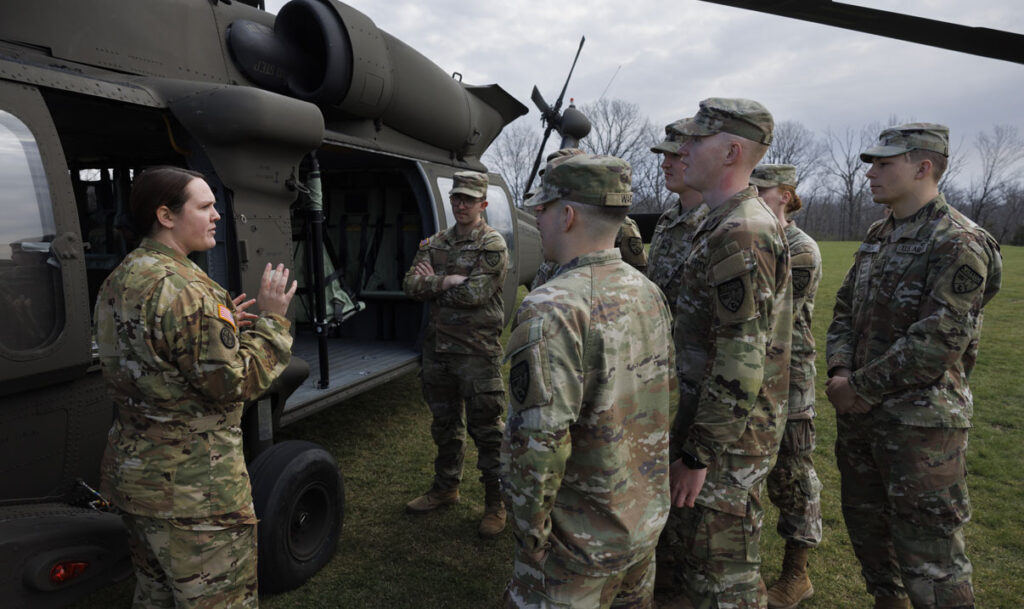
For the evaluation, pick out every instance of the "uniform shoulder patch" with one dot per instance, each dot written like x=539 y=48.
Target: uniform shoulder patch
x=636 y=245
x=731 y=294
x=492 y=259
x=227 y=337
x=519 y=381
x=966 y=280
x=425 y=243
x=225 y=313
x=801 y=277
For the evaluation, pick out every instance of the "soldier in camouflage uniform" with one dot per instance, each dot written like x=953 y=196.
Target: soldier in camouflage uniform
x=901 y=347
x=673 y=235
x=586 y=444
x=179 y=371
x=628 y=239
x=670 y=245
x=793 y=484
x=460 y=272
x=732 y=334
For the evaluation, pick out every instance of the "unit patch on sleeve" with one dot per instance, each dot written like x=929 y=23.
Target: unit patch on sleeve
x=519 y=381
x=801 y=277
x=492 y=259
x=636 y=245
x=731 y=294
x=966 y=280
x=227 y=337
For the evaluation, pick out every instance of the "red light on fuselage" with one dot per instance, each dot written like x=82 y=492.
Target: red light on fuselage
x=67 y=570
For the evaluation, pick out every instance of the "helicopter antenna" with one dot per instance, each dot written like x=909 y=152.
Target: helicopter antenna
x=610 y=81
x=550 y=115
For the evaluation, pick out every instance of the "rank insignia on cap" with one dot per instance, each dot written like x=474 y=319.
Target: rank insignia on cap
x=225 y=314
x=519 y=381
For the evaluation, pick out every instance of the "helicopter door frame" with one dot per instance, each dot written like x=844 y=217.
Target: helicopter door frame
x=67 y=353
x=502 y=217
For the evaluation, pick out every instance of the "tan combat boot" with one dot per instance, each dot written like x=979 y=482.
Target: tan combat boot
x=432 y=499
x=793 y=584
x=494 y=512
x=892 y=602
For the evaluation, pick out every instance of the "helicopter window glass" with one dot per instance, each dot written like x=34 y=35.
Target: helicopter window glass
x=445 y=185
x=31 y=296
x=499 y=215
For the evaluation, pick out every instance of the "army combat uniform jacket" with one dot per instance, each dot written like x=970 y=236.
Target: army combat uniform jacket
x=733 y=328
x=805 y=260
x=466 y=319
x=670 y=245
x=908 y=316
x=586 y=444
x=629 y=242
x=179 y=372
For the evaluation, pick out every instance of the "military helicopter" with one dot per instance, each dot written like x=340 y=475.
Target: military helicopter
x=330 y=145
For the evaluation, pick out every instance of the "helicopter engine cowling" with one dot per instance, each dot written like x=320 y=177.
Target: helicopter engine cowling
x=334 y=56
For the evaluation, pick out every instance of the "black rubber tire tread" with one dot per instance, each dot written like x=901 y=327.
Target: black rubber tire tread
x=281 y=476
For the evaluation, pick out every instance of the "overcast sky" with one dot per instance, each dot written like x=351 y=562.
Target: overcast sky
x=670 y=55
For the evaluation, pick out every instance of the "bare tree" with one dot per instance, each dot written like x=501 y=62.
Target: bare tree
x=794 y=144
x=844 y=174
x=1001 y=152
x=512 y=155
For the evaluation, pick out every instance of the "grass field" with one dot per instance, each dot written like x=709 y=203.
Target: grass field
x=387 y=559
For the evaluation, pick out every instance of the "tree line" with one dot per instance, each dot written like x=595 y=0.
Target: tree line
x=832 y=181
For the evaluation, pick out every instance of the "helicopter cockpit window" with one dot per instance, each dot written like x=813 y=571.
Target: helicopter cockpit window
x=31 y=296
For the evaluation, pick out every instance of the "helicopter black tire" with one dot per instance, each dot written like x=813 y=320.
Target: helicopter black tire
x=299 y=496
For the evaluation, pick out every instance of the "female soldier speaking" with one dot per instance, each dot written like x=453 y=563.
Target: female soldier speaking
x=179 y=372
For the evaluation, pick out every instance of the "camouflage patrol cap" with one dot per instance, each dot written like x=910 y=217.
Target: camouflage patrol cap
x=912 y=136
x=767 y=176
x=743 y=117
x=674 y=138
x=471 y=183
x=590 y=179
x=555 y=157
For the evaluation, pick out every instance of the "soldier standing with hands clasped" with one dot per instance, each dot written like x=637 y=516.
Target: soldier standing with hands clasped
x=901 y=347
x=591 y=379
x=179 y=371
x=460 y=272
x=793 y=485
x=732 y=333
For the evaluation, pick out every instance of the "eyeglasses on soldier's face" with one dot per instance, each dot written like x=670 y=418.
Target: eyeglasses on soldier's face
x=462 y=201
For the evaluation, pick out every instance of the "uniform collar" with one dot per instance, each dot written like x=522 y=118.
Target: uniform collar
x=152 y=244
x=591 y=258
x=473 y=235
x=716 y=214
x=910 y=227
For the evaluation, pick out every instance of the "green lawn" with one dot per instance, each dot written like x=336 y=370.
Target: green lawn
x=388 y=559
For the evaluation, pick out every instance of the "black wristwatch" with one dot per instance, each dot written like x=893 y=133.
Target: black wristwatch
x=691 y=462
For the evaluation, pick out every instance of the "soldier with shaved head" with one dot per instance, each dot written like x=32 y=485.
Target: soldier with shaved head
x=590 y=383
x=732 y=334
